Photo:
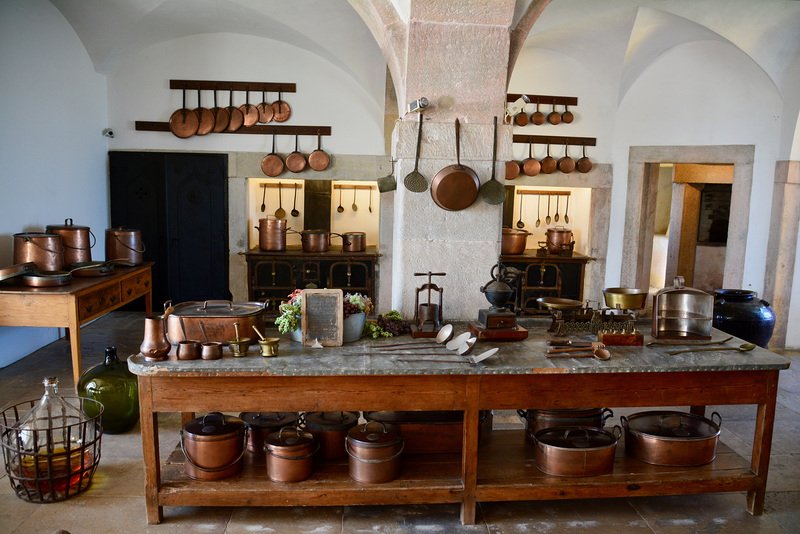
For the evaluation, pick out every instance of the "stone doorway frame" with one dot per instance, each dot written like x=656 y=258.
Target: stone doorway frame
x=643 y=163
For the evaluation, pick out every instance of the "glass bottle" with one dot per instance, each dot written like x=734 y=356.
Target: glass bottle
x=113 y=385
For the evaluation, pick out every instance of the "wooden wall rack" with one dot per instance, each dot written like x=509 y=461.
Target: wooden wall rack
x=263 y=129
x=216 y=85
x=555 y=140
x=544 y=99
x=282 y=185
x=352 y=186
x=551 y=193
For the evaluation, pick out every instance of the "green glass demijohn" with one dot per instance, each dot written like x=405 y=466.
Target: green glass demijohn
x=115 y=387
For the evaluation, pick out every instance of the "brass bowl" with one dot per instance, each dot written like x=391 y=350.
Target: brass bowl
x=555 y=303
x=625 y=298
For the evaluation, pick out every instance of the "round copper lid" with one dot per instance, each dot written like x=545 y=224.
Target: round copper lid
x=672 y=425
x=268 y=420
x=183 y=123
x=289 y=438
x=331 y=421
x=374 y=434
x=214 y=424
x=577 y=437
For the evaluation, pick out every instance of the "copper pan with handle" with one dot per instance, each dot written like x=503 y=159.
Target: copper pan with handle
x=455 y=187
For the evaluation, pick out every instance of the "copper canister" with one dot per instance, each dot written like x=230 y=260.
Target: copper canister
x=374 y=449
x=272 y=234
x=124 y=244
x=78 y=241
x=259 y=425
x=354 y=241
x=213 y=446
x=330 y=430
x=46 y=250
x=576 y=451
x=290 y=454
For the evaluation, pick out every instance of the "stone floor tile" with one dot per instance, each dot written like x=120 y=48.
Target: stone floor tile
x=411 y=519
x=563 y=517
x=117 y=477
x=784 y=507
x=295 y=520
x=784 y=472
x=723 y=513
x=84 y=514
x=13 y=511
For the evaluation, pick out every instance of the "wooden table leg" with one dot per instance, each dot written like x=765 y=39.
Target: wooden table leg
x=762 y=446
x=152 y=462
x=75 y=340
x=697 y=410
x=469 y=451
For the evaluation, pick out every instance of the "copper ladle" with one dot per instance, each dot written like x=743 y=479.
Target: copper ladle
x=741 y=348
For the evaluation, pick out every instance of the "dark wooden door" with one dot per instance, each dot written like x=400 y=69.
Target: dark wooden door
x=179 y=202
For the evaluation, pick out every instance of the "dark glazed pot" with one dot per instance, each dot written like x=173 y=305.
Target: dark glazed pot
x=740 y=313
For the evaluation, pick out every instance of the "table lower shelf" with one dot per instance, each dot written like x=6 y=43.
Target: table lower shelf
x=506 y=471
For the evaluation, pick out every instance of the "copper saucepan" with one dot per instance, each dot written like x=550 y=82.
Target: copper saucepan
x=205 y=119
x=456 y=186
x=183 y=122
x=584 y=164
x=531 y=166
x=249 y=112
x=537 y=117
x=566 y=164
x=221 y=116
x=318 y=240
x=319 y=159
x=281 y=110
x=265 y=112
x=512 y=170
x=548 y=163
x=237 y=117
x=296 y=161
x=272 y=164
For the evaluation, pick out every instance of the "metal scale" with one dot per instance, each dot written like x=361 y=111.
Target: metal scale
x=427 y=311
x=498 y=323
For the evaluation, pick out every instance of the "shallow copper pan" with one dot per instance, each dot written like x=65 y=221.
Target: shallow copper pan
x=221 y=117
x=456 y=186
x=237 y=117
x=272 y=164
x=265 y=112
x=319 y=159
x=281 y=111
x=249 y=112
x=46 y=278
x=204 y=117
x=17 y=270
x=296 y=161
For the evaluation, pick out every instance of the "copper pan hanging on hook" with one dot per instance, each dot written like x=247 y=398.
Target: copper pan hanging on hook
x=221 y=116
x=281 y=110
x=319 y=159
x=272 y=164
x=205 y=118
x=237 y=118
x=183 y=122
x=264 y=109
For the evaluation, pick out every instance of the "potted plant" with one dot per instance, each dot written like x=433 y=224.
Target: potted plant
x=356 y=309
x=289 y=319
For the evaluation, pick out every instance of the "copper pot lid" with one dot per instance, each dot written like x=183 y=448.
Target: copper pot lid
x=268 y=420
x=17 y=270
x=330 y=421
x=559 y=230
x=289 y=438
x=315 y=231
x=577 y=437
x=123 y=230
x=281 y=111
x=217 y=308
x=66 y=226
x=672 y=425
x=374 y=434
x=214 y=425
x=354 y=234
x=514 y=231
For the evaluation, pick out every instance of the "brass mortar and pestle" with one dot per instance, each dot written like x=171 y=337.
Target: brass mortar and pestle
x=269 y=345
x=239 y=345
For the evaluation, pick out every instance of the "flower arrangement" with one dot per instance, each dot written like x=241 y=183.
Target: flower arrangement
x=289 y=319
x=356 y=303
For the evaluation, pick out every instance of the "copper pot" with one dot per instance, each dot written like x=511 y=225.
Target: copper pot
x=576 y=451
x=354 y=241
x=272 y=234
x=259 y=425
x=46 y=250
x=558 y=238
x=77 y=240
x=290 y=453
x=374 y=449
x=513 y=241
x=536 y=420
x=213 y=446
x=124 y=244
x=330 y=430
x=671 y=438
x=318 y=240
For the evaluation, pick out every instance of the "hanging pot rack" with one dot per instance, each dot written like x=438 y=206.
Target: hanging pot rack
x=555 y=140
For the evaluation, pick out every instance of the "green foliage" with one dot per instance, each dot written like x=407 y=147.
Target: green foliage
x=289 y=319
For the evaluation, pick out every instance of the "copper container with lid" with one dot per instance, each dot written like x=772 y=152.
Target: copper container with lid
x=330 y=430
x=290 y=453
x=124 y=244
x=259 y=425
x=374 y=449
x=576 y=451
x=513 y=241
x=671 y=438
x=272 y=234
x=44 y=249
x=77 y=240
x=559 y=239
x=354 y=241
x=213 y=446
x=682 y=312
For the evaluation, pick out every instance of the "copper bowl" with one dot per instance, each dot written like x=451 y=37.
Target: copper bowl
x=514 y=241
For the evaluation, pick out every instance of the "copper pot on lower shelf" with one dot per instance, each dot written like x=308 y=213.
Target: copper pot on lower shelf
x=290 y=453
x=259 y=425
x=330 y=430
x=671 y=438
x=374 y=450
x=576 y=451
x=213 y=446
x=514 y=241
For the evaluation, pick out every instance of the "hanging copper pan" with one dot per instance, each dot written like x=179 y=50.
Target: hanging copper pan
x=183 y=122
x=264 y=109
x=456 y=186
x=566 y=164
x=281 y=110
x=272 y=164
x=521 y=119
x=237 y=117
x=548 y=163
x=512 y=170
x=221 y=116
x=249 y=112
x=531 y=166
x=296 y=161
x=205 y=118
x=567 y=116
x=537 y=117
x=554 y=117
x=584 y=164
x=319 y=159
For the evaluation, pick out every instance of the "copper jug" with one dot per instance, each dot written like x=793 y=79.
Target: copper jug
x=155 y=345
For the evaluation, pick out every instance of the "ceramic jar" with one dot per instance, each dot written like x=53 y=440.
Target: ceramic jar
x=741 y=313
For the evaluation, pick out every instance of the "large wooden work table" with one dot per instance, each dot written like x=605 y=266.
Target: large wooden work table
x=74 y=304
x=502 y=468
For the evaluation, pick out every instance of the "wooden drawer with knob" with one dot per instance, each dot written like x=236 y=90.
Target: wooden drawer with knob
x=136 y=286
x=97 y=302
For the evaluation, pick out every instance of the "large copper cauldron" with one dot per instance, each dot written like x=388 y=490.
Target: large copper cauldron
x=124 y=244
x=213 y=446
x=78 y=241
x=46 y=250
x=272 y=234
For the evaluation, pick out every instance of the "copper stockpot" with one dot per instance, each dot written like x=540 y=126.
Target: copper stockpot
x=218 y=317
x=354 y=241
x=124 y=244
x=46 y=250
x=330 y=430
x=514 y=241
x=374 y=449
x=576 y=451
x=272 y=234
x=259 y=425
x=213 y=446
x=536 y=420
x=558 y=238
x=77 y=240
x=290 y=453
x=318 y=240
x=671 y=438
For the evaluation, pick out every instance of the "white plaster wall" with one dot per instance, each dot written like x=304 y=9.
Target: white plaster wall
x=701 y=93
x=53 y=110
x=793 y=334
x=326 y=96
x=579 y=207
